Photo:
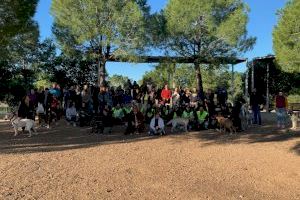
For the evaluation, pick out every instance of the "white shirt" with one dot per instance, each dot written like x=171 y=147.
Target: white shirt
x=40 y=109
x=161 y=124
x=71 y=112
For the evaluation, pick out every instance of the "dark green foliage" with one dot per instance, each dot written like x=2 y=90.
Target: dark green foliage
x=15 y=22
x=286 y=37
x=279 y=79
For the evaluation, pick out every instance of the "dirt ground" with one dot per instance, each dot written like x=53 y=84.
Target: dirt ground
x=69 y=163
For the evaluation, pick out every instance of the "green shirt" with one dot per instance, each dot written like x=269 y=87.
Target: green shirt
x=187 y=115
x=201 y=116
x=118 y=113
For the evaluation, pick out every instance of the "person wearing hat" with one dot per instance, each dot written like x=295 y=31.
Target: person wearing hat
x=157 y=125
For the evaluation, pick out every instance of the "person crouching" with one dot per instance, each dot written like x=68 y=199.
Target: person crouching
x=71 y=114
x=135 y=122
x=157 y=125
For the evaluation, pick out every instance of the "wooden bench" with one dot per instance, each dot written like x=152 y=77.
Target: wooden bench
x=294 y=106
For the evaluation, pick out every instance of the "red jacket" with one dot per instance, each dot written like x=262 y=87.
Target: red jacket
x=166 y=94
x=280 y=102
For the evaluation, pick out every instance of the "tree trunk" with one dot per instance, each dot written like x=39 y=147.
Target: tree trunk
x=173 y=82
x=173 y=74
x=199 y=78
x=101 y=72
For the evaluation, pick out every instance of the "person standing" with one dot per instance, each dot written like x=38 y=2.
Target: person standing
x=281 y=106
x=166 y=95
x=23 y=110
x=32 y=104
x=175 y=98
x=210 y=104
x=255 y=101
x=86 y=98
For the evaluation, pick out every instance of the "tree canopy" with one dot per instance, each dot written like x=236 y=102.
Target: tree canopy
x=286 y=37
x=207 y=29
x=183 y=76
x=16 y=23
x=101 y=28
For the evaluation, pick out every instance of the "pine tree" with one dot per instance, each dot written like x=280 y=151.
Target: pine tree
x=286 y=37
x=101 y=28
x=206 y=30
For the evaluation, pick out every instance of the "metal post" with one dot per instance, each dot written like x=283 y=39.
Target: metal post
x=252 y=77
x=232 y=81
x=267 y=93
x=247 y=81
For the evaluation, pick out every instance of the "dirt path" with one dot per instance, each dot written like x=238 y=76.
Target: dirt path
x=67 y=163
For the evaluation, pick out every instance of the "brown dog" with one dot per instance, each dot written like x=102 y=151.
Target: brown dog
x=226 y=124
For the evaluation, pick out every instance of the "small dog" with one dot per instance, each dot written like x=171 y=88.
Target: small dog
x=295 y=119
x=226 y=124
x=17 y=123
x=179 y=121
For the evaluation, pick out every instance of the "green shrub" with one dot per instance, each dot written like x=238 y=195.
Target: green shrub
x=295 y=98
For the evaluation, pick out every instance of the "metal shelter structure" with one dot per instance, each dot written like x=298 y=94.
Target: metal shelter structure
x=251 y=66
x=188 y=60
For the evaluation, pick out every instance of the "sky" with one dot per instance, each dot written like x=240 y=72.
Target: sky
x=262 y=19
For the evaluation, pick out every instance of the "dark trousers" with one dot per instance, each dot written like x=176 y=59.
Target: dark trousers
x=256 y=115
x=42 y=117
x=73 y=119
x=132 y=129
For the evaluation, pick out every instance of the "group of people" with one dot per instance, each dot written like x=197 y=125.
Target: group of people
x=135 y=106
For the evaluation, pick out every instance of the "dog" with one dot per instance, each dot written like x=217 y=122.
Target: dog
x=245 y=117
x=17 y=123
x=295 y=119
x=226 y=124
x=179 y=121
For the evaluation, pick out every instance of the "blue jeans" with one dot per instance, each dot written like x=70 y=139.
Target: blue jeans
x=281 y=116
x=73 y=119
x=157 y=132
x=256 y=115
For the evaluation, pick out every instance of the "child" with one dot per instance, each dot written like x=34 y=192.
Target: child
x=118 y=114
x=71 y=114
x=202 y=118
x=41 y=113
x=107 y=118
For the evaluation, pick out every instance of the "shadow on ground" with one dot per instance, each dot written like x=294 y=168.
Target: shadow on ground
x=65 y=137
x=255 y=134
x=60 y=138
x=296 y=148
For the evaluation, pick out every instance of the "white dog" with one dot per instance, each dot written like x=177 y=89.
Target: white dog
x=17 y=123
x=295 y=118
x=245 y=117
x=179 y=121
